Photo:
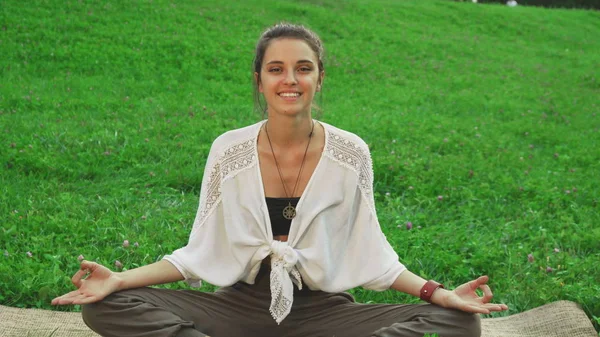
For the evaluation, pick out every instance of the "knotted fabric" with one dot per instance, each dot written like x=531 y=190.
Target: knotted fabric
x=283 y=275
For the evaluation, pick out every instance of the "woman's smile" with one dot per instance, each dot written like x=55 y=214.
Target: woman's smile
x=290 y=96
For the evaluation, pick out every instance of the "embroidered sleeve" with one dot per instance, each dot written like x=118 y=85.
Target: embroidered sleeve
x=354 y=155
x=210 y=192
x=220 y=166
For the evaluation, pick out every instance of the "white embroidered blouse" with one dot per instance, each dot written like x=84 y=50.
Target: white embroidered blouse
x=335 y=241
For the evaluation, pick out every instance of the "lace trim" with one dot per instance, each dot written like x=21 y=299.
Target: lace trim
x=231 y=161
x=355 y=157
x=283 y=274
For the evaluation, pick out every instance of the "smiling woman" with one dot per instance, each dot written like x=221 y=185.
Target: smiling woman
x=286 y=224
x=307 y=53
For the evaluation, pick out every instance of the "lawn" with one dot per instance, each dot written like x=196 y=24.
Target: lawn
x=483 y=122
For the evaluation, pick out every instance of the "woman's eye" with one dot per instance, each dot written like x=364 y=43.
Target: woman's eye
x=305 y=69
x=274 y=70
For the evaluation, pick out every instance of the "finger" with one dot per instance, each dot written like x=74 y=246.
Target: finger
x=77 y=278
x=476 y=309
x=474 y=284
x=89 y=265
x=496 y=307
x=482 y=279
x=66 y=298
x=86 y=300
x=487 y=293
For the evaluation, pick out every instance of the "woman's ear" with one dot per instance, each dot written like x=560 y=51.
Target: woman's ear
x=320 y=82
x=257 y=81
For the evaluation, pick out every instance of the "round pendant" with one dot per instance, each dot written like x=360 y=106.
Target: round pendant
x=289 y=212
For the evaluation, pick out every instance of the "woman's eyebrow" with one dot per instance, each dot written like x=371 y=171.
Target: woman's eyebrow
x=299 y=61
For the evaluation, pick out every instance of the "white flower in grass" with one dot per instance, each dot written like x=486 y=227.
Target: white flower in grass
x=125 y=243
x=511 y=3
x=80 y=258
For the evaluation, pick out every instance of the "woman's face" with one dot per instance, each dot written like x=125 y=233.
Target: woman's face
x=289 y=76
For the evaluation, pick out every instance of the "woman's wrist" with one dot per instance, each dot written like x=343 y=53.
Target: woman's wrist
x=119 y=281
x=439 y=297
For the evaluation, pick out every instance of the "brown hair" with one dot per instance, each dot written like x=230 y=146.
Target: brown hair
x=278 y=31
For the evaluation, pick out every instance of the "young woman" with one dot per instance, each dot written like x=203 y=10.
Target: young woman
x=286 y=223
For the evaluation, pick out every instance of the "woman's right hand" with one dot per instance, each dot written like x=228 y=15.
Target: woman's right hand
x=99 y=283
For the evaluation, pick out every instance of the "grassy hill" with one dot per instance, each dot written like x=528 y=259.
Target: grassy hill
x=483 y=121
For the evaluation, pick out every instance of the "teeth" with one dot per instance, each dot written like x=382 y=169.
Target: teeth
x=289 y=94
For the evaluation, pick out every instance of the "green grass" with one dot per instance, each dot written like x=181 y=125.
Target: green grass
x=108 y=109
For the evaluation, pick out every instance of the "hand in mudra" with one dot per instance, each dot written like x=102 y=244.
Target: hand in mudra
x=465 y=298
x=99 y=283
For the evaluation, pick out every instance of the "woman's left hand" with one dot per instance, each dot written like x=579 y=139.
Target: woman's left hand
x=465 y=297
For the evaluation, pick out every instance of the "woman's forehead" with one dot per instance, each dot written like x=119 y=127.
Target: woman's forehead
x=289 y=50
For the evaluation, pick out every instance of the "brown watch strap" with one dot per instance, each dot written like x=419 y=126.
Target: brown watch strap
x=428 y=289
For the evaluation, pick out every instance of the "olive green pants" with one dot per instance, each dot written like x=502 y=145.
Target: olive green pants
x=242 y=310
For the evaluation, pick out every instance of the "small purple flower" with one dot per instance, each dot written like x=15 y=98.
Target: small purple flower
x=29 y=254
x=549 y=269
x=118 y=264
x=125 y=243
x=135 y=244
x=409 y=225
x=80 y=258
x=440 y=197
x=530 y=258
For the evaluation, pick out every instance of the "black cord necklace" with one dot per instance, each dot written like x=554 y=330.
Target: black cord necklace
x=289 y=212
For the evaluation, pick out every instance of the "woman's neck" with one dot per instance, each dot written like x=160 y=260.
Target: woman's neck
x=289 y=131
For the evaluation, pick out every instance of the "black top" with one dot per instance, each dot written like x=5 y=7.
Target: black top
x=279 y=224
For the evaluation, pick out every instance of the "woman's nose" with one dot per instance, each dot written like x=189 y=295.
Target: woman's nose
x=290 y=78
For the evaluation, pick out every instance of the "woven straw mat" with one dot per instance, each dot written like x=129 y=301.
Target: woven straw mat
x=557 y=319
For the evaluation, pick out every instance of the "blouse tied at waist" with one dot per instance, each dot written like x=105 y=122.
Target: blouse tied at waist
x=283 y=275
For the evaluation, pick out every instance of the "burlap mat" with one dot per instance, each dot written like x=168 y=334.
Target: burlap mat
x=557 y=319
